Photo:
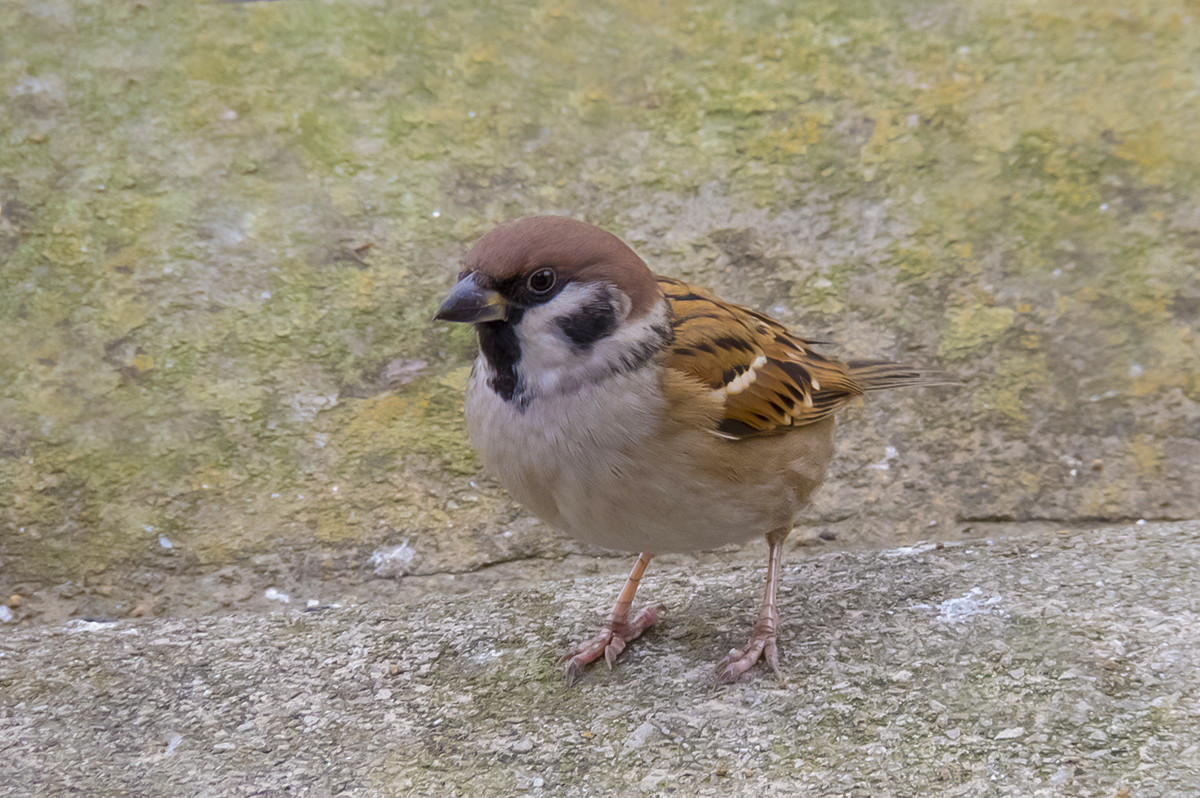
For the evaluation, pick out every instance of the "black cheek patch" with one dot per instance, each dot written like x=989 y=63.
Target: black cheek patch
x=589 y=324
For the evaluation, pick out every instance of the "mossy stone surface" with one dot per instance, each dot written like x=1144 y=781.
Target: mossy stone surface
x=200 y=346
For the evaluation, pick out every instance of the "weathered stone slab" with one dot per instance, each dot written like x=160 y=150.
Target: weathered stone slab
x=1060 y=666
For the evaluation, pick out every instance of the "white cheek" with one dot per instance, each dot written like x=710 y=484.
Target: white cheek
x=550 y=363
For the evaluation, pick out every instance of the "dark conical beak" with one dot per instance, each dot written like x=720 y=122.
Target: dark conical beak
x=470 y=302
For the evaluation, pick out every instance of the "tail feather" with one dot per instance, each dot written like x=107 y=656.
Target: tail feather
x=880 y=375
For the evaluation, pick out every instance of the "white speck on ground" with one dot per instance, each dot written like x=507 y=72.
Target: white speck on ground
x=394 y=562
x=80 y=625
x=272 y=594
x=965 y=607
x=889 y=453
x=908 y=551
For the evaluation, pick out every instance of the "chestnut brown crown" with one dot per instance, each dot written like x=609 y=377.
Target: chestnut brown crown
x=574 y=250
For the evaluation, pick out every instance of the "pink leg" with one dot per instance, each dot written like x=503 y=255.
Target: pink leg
x=619 y=630
x=762 y=640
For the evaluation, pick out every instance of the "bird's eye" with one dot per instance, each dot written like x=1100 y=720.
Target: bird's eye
x=542 y=281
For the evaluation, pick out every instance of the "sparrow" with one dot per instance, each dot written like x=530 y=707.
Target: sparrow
x=639 y=413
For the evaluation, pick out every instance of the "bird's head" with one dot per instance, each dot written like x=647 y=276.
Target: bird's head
x=556 y=301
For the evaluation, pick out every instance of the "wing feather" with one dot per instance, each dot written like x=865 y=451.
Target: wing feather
x=769 y=380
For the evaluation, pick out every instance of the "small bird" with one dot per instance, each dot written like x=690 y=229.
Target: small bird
x=640 y=413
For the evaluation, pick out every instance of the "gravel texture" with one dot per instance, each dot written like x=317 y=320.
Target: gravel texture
x=1061 y=665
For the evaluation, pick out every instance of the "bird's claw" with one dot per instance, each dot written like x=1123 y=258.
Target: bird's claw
x=610 y=642
x=739 y=660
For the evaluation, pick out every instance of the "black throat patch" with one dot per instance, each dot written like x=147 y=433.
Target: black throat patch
x=500 y=347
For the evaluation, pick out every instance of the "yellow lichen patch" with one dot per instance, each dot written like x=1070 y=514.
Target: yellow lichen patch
x=996 y=131
x=1145 y=146
x=1146 y=453
x=938 y=99
x=1013 y=390
x=68 y=247
x=456 y=379
x=1102 y=498
x=209 y=476
x=791 y=140
x=364 y=290
x=1170 y=358
x=560 y=10
x=334 y=524
x=971 y=327
x=425 y=422
x=231 y=398
x=1077 y=193
x=142 y=362
x=890 y=139
x=376 y=419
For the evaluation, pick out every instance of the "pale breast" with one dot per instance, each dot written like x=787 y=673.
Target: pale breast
x=604 y=465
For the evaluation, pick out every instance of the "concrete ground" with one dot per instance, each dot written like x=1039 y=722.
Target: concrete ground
x=1061 y=665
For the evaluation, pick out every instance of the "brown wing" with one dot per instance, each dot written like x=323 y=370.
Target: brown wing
x=770 y=380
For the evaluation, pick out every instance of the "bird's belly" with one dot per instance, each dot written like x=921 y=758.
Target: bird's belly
x=668 y=510
x=596 y=466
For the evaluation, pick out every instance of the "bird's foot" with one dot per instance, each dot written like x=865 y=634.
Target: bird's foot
x=611 y=642
x=760 y=646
